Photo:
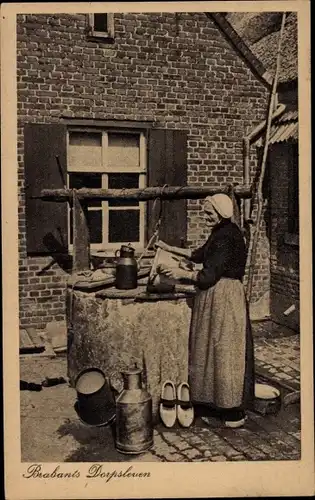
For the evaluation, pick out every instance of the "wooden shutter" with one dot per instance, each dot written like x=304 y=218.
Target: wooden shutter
x=293 y=188
x=46 y=221
x=168 y=165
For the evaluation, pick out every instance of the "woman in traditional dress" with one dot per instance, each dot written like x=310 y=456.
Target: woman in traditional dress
x=221 y=360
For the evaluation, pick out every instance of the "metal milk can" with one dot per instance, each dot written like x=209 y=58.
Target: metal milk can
x=134 y=425
x=126 y=268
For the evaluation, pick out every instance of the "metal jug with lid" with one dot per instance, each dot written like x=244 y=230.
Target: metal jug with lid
x=134 y=424
x=126 y=268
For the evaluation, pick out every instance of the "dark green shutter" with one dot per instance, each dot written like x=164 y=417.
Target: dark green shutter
x=168 y=165
x=46 y=221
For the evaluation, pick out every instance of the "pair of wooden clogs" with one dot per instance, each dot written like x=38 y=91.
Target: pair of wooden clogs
x=176 y=404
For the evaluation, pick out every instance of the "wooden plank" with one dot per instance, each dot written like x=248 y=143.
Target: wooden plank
x=124 y=124
x=30 y=342
x=140 y=294
x=25 y=341
x=48 y=352
x=236 y=209
x=145 y=194
x=81 y=237
x=106 y=282
x=156 y=297
x=113 y=293
x=35 y=338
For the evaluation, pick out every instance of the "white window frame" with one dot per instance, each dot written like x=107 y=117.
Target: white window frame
x=109 y=33
x=105 y=169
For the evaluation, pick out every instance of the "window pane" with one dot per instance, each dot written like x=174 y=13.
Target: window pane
x=124 y=226
x=100 y=22
x=119 y=181
x=123 y=150
x=86 y=139
x=78 y=180
x=85 y=150
x=94 y=224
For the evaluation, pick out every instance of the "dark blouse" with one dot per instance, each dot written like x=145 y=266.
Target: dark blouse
x=223 y=255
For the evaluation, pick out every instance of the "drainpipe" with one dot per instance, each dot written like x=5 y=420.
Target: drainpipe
x=246 y=148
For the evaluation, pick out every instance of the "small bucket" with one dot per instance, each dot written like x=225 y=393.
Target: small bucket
x=95 y=403
x=267 y=399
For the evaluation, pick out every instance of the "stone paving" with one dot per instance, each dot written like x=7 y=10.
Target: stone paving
x=277 y=356
x=263 y=438
x=52 y=432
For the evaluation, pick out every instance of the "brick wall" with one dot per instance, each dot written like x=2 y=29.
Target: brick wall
x=284 y=262
x=176 y=70
x=284 y=258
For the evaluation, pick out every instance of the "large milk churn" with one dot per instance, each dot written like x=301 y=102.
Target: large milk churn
x=134 y=426
x=126 y=268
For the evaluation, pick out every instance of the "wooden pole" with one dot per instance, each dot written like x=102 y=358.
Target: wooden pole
x=236 y=209
x=145 y=194
x=253 y=252
x=81 y=237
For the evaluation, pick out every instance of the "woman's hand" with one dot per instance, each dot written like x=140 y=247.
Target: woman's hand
x=174 y=273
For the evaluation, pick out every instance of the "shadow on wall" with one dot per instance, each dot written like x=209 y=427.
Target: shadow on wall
x=59 y=254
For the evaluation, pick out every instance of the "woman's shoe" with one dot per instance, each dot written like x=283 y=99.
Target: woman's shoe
x=234 y=418
x=185 y=410
x=212 y=422
x=168 y=404
x=234 y=424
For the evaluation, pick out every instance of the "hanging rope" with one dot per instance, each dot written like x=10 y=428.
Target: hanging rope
x=263 y=167
x=157 y=226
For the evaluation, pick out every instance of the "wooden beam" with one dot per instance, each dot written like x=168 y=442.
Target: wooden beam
x=145 y=194
x=81 y=237
x=236 y=209
x=88 y=122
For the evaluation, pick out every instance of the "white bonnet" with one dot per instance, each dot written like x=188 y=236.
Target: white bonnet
x=222 y=203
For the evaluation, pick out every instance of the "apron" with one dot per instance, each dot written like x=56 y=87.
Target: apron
x=221 y=359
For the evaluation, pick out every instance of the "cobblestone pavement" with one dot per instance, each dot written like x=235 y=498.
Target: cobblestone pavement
x=52 y=432
x=277 y=356
x=263 y=438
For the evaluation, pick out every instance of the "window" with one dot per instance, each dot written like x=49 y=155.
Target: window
x=108 y=154
x=101 y=25
x=114 y=160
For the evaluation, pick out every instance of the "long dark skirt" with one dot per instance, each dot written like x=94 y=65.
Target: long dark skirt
x=221 y=358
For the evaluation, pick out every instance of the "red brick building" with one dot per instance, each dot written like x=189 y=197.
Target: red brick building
x=126 y=100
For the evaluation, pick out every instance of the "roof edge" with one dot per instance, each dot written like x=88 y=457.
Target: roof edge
x=254 y=63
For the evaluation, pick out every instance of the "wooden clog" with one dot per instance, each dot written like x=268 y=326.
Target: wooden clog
x=185 y=410
x=168 y=404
